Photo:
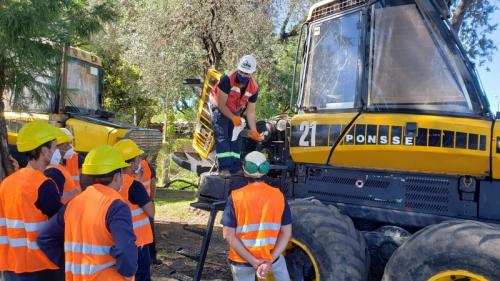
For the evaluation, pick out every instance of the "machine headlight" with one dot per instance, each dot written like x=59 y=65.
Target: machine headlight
x=281 y=125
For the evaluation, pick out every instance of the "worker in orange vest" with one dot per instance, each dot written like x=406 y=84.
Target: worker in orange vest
x=27 y=200
x=59 y=173
x=257 y=225
x=234 y=93
x=141 y=207
x=93 y=234
x=147 y=175
x=71 y=159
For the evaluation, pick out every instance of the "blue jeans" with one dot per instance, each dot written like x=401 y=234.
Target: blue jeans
x=144 y=264
x=228 y=152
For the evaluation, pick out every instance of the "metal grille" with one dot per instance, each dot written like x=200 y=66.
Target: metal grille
x=334 y=6
x=427 y=194
x=352 y=181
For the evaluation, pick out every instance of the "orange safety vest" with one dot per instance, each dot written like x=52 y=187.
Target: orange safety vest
x=87 y=240
x=258 y=208
x=146 y=176
x=72 y=167
x=235 y=100
x=20 y=223
x=70 y=188
x=140 y=220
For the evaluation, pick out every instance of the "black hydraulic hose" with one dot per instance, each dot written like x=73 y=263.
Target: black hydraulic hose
x=342 y=135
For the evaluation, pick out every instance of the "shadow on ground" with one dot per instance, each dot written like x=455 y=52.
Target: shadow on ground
x=171 y=236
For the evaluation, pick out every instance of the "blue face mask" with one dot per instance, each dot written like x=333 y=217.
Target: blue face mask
x=242 y=79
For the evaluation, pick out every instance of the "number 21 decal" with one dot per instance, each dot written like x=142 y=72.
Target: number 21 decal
x=305 y=127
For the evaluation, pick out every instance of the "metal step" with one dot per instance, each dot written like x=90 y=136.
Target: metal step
x=188 y=254
x=201 y=206
x=196 y=230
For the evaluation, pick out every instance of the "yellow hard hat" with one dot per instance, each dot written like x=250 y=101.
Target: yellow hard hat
x=128 y=149
x=103 y=160
x=34 y=134
x=65 y=137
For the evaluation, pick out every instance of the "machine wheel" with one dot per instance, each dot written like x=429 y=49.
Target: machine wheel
x=325 y=244
x=452 y=250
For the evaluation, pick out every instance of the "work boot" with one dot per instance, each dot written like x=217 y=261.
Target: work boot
x=156 y=261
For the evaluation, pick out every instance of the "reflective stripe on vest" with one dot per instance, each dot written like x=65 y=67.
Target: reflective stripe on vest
x=70 y=188
x=258 y=227
x=19 y=224
x=140 y=220
x=86 y=269
x=88 y=242
x=21 y=221
x=69 y=195
x=18 y=242
x=258 y=209
x=235 y=101
x=86 y=248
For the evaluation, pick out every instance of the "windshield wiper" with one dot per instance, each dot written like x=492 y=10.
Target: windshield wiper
x=309 y=109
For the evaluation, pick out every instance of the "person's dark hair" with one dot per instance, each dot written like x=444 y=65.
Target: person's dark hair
x=35 y=153
x=104 y=179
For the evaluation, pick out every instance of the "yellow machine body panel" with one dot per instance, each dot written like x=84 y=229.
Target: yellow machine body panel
x=304 y=148
x=396 y=142
x=15 y=120
x=203 y=136
x=88 y=135
x=495 y=160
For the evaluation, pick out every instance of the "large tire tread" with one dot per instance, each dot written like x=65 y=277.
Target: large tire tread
x=338 y=247
x=451 y=245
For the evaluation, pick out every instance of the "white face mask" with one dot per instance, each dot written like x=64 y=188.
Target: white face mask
x=56 y=157
x=69 y=154
x=139 y=169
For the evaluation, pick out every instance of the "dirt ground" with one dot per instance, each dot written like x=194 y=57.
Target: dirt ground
x=171 y=236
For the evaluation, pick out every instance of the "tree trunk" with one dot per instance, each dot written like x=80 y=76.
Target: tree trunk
x=459 y=15
x=5 y=164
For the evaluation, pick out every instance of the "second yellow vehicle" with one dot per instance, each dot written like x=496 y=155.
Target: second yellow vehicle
x=78 y=107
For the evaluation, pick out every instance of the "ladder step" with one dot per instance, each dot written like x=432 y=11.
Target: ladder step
x=201 y=206
x=196 y=230
x=188 y=254
x=207 y=206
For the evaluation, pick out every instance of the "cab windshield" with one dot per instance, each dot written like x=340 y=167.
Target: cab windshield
x=83 y=84
x=83 y=88
x=408 y=64
x=332 y=63
x=411 y=68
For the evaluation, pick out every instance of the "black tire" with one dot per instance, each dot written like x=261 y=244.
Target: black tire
x=452 y=245
x=338 y=248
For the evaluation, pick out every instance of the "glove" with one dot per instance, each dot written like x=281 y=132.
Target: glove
x=236 y=121
x=255 y=135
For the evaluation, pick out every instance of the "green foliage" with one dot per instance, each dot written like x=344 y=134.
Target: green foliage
x=33 y=34
x=476 y=29
x=123 y=93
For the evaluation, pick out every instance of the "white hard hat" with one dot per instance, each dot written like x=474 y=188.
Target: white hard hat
x=247 y=64
x=67 y=132
x=256 y=164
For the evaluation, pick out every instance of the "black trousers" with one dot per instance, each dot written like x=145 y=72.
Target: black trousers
x=152 y=246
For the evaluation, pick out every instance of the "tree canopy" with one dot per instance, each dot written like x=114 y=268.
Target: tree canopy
x=32 y=35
